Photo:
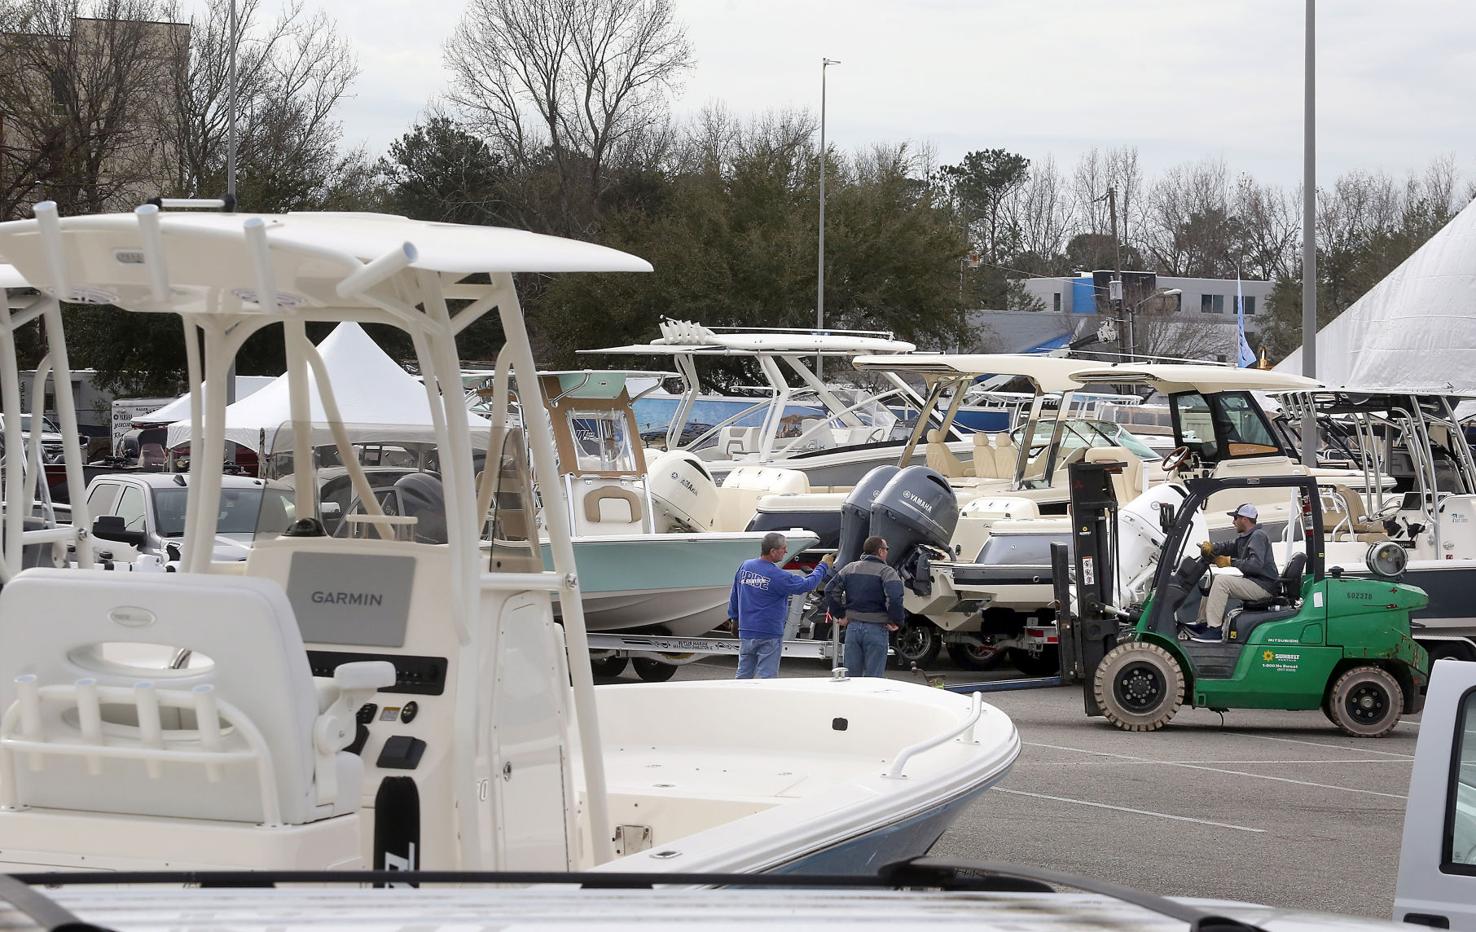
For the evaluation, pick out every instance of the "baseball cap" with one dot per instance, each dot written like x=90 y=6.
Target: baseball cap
x=1244 y=511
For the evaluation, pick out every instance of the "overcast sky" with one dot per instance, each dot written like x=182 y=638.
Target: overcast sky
x=1179 y=80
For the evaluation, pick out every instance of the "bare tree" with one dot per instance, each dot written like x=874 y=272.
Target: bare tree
x=578 y=86
x=81 y=88
x=292 y=73
x=1042 y=214
x=1269 y=222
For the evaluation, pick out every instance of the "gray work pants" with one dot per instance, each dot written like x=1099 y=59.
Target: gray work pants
x=1222 y=590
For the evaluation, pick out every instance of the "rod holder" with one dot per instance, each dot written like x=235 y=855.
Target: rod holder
x=49 y=223
x=28 y=694
x=261 y=260
x=207 y=722
x=153 y=250
x=376 y=271
x=150 y=730
x=89 y=721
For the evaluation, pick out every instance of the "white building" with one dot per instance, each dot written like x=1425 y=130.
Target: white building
x=1210 y=299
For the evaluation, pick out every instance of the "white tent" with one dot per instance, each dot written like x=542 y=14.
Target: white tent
x=246 y=385
x=1415 y=331
x=377 y=400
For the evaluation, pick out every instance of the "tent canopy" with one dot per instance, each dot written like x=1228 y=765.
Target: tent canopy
x=1415 y=331
x=377 y=401
x=179 y=408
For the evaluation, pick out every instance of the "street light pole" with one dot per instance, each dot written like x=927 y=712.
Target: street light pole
x=1309 y=234
x=820 y=276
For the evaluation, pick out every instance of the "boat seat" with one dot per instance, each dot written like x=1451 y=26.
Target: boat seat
x=942 y=460
x=994 y=455
x=96 y=720
x=816 y=433
x=1354 y=521
x=741 y=489
x=736 y=441
x=1127 y=484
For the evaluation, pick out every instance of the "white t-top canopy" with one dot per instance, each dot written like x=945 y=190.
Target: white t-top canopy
x=1183 y=377
x=210 y=267
x=1048 y=373
x=680 y=338
x=377 y=401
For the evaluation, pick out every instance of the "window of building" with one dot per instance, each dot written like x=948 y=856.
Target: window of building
x=1212 y=304
x=1250 y=303
x=1056 y=302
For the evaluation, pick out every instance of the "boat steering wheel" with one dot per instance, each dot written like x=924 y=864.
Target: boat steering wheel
x=1176 y=458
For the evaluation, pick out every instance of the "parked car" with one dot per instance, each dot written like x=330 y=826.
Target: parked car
x=147 y=511
x=51 y=438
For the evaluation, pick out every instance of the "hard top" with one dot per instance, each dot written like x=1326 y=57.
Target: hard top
x=682 y=338
x=1048 y=373
x=1171 y=378
x=599 y=383
x=180 y=480
x=210 y=267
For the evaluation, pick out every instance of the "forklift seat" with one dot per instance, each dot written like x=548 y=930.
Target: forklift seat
x=1254 y=613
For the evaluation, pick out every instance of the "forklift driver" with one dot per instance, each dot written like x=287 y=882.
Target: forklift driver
x=1250 y=553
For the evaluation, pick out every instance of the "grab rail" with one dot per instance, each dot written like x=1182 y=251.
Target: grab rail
x=907 y=753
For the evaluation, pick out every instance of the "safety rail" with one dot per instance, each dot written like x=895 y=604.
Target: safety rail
x=976 y=709
x=22 y=732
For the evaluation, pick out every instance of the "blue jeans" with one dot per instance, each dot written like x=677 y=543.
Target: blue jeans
x=758 y=657
x=866 y=649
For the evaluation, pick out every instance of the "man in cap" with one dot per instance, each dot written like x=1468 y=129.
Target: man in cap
x=1250 y=553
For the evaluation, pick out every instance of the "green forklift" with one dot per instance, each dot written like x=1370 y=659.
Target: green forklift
x=1329 y=642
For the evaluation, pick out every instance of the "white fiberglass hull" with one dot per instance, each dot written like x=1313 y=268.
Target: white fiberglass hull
x=792 y=775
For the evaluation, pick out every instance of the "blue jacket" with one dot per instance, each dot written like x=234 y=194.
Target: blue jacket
x=760 y=598
x=867 y=591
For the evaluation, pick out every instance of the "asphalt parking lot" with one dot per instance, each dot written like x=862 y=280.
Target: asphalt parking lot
x=1277 y=808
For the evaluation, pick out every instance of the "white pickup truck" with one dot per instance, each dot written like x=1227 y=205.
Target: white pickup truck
x=146 y=511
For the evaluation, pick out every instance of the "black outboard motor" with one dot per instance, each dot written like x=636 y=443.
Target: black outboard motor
x=915 y=510
x=855 y=522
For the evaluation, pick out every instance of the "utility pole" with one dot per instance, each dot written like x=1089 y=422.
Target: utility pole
x=1114 y=289
x=1309 y=235
x=820 y=276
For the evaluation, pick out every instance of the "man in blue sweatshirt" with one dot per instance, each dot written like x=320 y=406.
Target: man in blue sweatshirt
x=760 y=603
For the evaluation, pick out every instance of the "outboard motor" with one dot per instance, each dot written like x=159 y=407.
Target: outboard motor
x=682 y=492
x=914 y=511
x=855 y=522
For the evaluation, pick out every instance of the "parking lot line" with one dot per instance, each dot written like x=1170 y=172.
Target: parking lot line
x=1158 y=815
x=1220 y=770
x=1319 y=744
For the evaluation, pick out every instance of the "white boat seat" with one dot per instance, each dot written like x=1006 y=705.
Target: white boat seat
x=1128 y=484
x=994 y=455
x=741 y=489
x=736 y=441
x=942 y=460
x=815 y=434
x=93 y=722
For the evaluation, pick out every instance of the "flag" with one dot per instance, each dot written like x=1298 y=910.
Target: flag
x=1247 y=357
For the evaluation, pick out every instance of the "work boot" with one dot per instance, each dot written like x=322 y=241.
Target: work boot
x=1206 y=633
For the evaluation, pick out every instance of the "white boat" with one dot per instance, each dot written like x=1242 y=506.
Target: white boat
x=852 y=430
x=173 y=720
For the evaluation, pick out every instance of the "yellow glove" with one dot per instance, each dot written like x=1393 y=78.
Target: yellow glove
x=828 y=560
x=1207 y=548
x=1222 y=562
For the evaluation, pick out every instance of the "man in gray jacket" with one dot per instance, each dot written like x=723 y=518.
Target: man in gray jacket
x=866 y=597
x=1250 y=553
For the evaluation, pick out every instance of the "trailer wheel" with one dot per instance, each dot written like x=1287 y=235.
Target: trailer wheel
x=1366 y=702
x=608 y=667
x=917 y=642
x=1045 y=663
x=653 y=671
x=973 y=656
x=1139 y=686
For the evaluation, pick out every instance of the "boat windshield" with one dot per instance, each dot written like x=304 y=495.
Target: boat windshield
x=1078 y=434
x=257 y=513
x=601 y=441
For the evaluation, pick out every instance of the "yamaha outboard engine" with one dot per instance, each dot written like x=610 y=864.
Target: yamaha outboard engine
x=855 y=522
x=915 y=510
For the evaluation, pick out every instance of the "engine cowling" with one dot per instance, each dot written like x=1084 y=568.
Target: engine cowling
x=683 y=493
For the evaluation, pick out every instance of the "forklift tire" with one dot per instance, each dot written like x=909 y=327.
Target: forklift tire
x=917 y=642
x=1139 y=686
x=653 y=671
x=1366 y=702
x=608 y=668
x=1045 y=663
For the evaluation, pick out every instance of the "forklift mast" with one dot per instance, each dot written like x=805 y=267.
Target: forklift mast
x=1089 y=625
